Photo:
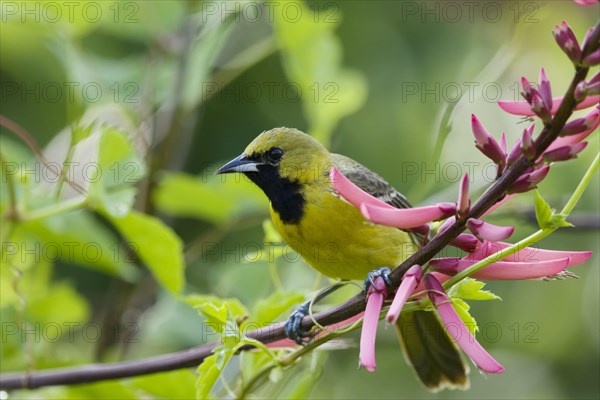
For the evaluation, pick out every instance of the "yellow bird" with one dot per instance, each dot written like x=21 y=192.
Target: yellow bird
x=292 y=168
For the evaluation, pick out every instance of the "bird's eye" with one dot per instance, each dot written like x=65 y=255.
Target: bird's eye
x=275 y=154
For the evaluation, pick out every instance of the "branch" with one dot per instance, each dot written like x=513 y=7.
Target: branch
x=356 y=304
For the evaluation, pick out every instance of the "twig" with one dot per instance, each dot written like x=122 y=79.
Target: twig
x=18 y=130
x=356 y=304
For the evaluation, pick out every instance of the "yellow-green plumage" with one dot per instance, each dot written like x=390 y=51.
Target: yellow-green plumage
x=332 y=235
x=292 y=169
x=334 y=238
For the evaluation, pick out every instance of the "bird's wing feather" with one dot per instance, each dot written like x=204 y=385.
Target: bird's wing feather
x=370 y=182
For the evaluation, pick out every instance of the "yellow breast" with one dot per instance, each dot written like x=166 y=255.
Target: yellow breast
x=335 y=239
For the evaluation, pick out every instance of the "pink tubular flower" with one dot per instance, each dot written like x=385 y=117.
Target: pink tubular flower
x=457 y=329
x=529 y=181
x=564 y=153
x=407 y=218
x=409 y=283
x=586 y=2
x=529 y=254
x=487 y=231
x=566 y=40
x=377 y=292
x=523 y=107
x=529 y=263
x=502 y=270
x=352 y=193
x=486 y=142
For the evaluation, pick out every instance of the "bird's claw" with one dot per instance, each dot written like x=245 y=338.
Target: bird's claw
x=383 y=272
x=293 y=329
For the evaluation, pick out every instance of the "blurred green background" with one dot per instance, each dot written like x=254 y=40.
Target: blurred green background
x=191 y=83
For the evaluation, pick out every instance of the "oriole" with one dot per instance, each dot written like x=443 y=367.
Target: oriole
x=292 y=169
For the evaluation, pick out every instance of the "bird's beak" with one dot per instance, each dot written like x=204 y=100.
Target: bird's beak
x=239 y=164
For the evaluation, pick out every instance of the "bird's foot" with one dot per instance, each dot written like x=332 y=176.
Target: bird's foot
x=293 y=326
x=383 y=272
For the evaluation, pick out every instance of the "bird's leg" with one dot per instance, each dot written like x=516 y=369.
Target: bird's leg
x=293 y=326
x=383 y=272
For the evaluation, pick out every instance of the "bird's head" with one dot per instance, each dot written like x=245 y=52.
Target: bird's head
x=281 y=154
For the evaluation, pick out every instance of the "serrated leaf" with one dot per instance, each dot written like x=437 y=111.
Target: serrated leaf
x=119 y=168
x=462 y=309
x=472 y=289
x=559 y=221
x=219 y=312
x=156 y=245
x=543 y=212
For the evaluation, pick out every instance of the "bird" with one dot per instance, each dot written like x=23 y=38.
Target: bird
x=292 y=169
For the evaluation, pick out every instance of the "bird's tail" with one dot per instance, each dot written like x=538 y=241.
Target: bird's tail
x=428 y=349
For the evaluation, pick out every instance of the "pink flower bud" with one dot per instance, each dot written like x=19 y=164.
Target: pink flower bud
x=486 y=231
x=464 y=201
x=529 y=181
x=564 y=153
x=581 y=124
x=591 y=59
x=566 y=40
x=486 y=142
x=545 y=90
x=465 y=242
x=527 y=146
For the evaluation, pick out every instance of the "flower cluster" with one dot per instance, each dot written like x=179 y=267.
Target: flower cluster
x=484 y=239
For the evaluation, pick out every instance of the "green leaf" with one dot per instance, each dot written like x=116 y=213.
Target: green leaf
x=77 y=237
x=156 y=245
x=543 y=212
x=119 y=168
x=462 y=310
x=559 y=221
x=217 y=311
x=312 y=58
x=206 y=198
x=81 y=132
x=472 y=289
x=177 y=384
x=210 y=370
x=48 y=302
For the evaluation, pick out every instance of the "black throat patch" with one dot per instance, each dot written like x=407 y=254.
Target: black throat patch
x=285 y=195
